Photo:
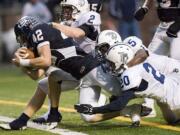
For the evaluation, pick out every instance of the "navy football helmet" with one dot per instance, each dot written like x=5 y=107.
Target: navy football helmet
x=23 y=29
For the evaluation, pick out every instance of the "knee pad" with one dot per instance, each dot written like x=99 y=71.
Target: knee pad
x=43 y=85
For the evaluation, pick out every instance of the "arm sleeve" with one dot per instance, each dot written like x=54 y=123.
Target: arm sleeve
x=89 y=29
x=116 y=105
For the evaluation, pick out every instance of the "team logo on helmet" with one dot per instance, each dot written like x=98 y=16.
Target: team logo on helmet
x=113 y=35
x=124 y=57
x=81 y=2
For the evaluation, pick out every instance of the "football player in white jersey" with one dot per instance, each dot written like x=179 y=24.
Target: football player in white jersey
x=149 y=82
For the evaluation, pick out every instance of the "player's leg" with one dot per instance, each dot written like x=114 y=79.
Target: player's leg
x=34 y=104
x=68 y=83
x=168 y=114
x=54 y=92
x=158 y=45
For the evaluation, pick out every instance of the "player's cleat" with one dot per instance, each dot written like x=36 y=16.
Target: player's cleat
x=51 y=120
x=14 y=125
x=5 y=126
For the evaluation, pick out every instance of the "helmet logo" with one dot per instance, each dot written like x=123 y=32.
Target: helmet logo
x=81 y=3
x=113 y=35
x=124 y=57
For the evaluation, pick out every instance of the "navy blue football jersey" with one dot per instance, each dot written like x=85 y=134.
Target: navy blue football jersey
x=44 y=34
x=65 y=54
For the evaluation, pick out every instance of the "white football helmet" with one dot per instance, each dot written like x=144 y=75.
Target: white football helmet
x=119 y=55
x=107 y=38
x=78 y=7
x=134 y=42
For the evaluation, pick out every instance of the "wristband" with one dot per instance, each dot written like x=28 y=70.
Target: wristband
x=145 y=7
x=24 y=62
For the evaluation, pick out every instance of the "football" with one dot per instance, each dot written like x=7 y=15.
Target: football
x=26 y=53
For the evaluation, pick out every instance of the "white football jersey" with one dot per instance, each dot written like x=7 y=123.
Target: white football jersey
x=147 y=81
x=164 y=64
x=90 y=18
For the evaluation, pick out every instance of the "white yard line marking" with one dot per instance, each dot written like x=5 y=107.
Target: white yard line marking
x=44 y=127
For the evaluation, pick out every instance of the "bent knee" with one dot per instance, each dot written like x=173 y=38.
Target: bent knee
x=43 y=85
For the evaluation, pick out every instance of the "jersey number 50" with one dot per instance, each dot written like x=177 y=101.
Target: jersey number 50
x=158 y=76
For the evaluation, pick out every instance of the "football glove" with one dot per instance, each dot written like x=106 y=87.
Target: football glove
x=140 y=13
x=145 y=111
x=173 y=29
x=84 y=108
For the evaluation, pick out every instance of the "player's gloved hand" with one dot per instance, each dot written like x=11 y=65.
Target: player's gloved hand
x=173 y=29
x=145 y=111
x=140 y=13
x=84 y=108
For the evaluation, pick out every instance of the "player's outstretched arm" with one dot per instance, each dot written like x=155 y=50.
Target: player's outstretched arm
x=114 y=106
x=69 y=31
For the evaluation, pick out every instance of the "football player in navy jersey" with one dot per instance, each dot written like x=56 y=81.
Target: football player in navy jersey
x=83 y=25
x=32 y=34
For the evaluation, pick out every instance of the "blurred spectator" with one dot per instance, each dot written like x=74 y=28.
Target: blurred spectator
x=51 y=4
x=123 y=11
x=38 y=9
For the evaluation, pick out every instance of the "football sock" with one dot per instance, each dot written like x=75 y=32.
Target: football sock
x=24 y=117
x=54 y=110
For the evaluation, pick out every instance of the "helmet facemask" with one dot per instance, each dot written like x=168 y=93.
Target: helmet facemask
x=22 y=40
x=66 y=14
x=70 y=10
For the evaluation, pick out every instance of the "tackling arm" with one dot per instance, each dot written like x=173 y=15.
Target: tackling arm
x=114 y=106
x=69 y=31
x=139 y=57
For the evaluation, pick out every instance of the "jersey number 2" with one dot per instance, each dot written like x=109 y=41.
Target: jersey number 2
x=158 y=76
x=92 y=17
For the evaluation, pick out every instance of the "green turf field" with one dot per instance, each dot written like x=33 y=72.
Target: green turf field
x=15 y=86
